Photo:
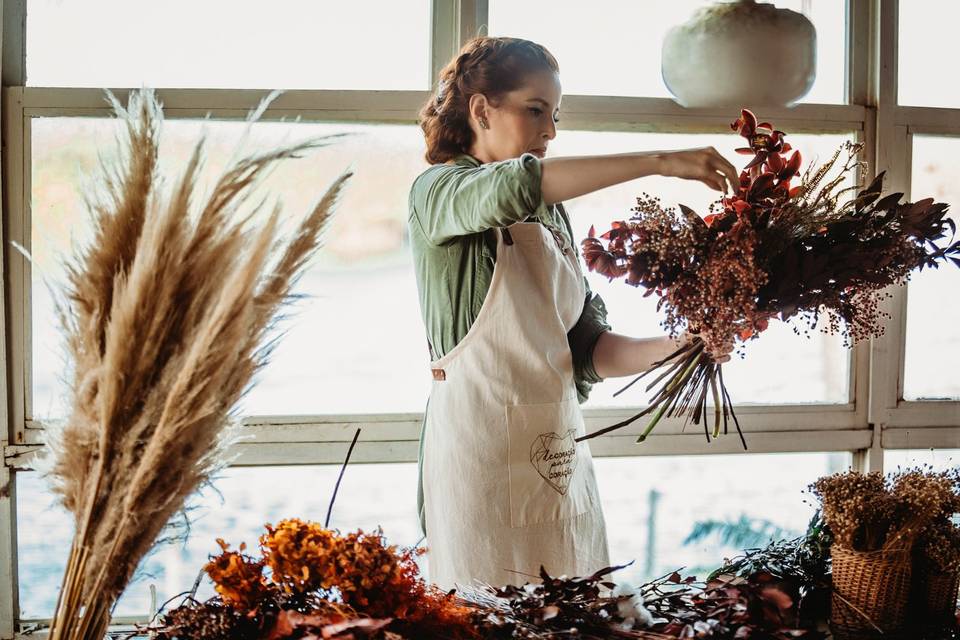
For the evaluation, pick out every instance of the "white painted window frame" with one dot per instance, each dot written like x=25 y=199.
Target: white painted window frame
x=874 y=418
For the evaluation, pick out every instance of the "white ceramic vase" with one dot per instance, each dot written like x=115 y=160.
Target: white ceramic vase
x=745 y=53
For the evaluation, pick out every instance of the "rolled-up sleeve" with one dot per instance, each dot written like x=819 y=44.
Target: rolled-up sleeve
x=455 y=200
x=583 y=338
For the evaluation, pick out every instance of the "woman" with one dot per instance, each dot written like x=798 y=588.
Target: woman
x=516 y=336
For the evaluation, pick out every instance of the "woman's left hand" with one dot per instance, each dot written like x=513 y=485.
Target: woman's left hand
x=704 y=164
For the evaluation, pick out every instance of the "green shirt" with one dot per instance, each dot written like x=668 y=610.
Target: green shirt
x=455 y=209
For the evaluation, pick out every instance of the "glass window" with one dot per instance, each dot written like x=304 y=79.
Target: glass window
x=355 y=344
x=652 y=505
x=780 y=367
x=933 y=318
x=927 y=35
x=937 y=458
x=235 y=509
x=612 y=47
x=234 y=44
x=342 y=353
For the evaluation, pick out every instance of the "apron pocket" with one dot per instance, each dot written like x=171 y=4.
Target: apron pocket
x=551 y=476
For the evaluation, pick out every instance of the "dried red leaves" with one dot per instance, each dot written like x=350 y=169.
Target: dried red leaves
x=772 y=249
x=316 y=583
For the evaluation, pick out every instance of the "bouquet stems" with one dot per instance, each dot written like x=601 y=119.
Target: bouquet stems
x=689 y=376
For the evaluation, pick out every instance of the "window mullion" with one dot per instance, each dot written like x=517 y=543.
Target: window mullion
x=444 y=35
x=921 y=438
x=453 y=23
x=861 y=40
x=889 y=153
x=8 y=553
x=870 y=458
x=886 y=358
x=16 y=295
x=474 y=19
x=14 y=43
x=323 y=451
x=580 y=112
x=13 y=73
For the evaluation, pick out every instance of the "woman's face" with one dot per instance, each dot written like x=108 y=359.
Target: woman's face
x=523 y=120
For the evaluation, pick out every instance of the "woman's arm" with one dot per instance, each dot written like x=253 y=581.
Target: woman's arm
x=564 y=178
x=613 y=354
x=452 y=200
x=618 y=355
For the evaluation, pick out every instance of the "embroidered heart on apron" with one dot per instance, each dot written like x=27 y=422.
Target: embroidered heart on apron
x=554 y=456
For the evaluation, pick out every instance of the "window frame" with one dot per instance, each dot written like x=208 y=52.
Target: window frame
x=874 y=417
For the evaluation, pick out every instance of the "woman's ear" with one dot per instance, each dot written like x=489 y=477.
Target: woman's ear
x=478 y=107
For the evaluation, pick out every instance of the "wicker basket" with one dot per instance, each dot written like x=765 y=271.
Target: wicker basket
x=838 y=632
x=934 y=593
x=874 y=585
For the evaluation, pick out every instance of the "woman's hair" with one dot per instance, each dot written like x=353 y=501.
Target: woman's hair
x=491 y=66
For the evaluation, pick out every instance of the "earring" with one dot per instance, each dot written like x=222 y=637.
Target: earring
x=483 y=124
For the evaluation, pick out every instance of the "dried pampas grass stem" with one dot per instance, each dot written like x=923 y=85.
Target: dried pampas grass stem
x=167 y=316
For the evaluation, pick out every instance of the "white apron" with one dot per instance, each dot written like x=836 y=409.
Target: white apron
x=506 y=488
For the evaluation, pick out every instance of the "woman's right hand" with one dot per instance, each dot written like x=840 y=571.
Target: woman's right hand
x=720 y=357
x=704 y=164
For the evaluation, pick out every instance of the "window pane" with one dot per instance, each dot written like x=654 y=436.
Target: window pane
x=651 y=504
x=780 y=366
x=927 y=36
x=339 y=355
x=933 y=312
x=370 y=495
x=355 y=344
x=621 y=54
x=239 y=44
x=937 y=458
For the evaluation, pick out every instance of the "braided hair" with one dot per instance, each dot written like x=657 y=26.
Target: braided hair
x=485 y=65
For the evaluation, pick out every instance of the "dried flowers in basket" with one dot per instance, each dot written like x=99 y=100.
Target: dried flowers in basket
x=877 y=521
x=936 y=565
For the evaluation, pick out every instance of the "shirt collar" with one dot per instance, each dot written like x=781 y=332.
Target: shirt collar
x=466 y=160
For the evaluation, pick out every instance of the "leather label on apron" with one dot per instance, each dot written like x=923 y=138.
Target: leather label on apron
x=550 y=475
